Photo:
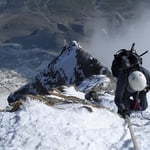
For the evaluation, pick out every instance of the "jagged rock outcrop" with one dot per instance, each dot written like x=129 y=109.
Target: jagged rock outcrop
x=71 y=67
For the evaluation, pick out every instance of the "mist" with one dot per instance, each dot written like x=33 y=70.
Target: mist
x=103 y=46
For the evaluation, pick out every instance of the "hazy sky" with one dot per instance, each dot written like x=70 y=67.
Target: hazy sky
x=138 y=31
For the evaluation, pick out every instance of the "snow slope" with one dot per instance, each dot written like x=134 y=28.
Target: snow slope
x=37 y=126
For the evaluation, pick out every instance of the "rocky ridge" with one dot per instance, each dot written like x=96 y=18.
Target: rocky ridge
x=70 y=68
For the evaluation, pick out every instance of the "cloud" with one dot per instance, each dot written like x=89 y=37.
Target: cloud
x=103 y=46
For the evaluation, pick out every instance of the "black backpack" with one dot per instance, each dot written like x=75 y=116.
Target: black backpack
x=126 y=60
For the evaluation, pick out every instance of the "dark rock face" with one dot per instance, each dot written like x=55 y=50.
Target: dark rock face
x=72 y=66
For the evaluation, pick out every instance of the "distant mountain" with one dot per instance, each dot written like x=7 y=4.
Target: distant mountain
x=71 y=67
x=46 y=24
x=43 y=24
x=26 y=62
x=19 y=66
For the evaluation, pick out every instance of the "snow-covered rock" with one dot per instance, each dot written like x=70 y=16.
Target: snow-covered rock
x=72 y=66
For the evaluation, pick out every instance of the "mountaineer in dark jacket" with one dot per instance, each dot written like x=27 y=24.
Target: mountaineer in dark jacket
x=133 y=82
x=132 y=96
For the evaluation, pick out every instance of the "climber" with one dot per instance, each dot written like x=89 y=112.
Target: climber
x=133 y=82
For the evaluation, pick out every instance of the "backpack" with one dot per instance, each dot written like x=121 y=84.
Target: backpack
x=125 y=60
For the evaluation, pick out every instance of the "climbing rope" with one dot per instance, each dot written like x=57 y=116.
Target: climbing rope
x=138 y=101
x=132 y=133
x=144 y=116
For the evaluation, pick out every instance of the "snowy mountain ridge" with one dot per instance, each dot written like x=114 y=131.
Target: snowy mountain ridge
x=71 y=67
x=61 y=118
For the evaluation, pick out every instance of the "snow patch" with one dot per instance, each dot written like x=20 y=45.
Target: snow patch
x=71 y=91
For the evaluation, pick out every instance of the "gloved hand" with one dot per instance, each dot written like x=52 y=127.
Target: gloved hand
x=121 y=106
x=123 y=111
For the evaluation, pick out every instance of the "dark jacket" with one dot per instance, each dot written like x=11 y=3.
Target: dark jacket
x=123 y=95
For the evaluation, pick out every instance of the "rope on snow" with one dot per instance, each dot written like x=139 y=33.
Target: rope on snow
x=132 y=133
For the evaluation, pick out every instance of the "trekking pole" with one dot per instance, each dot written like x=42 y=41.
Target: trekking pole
x=132 y=133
